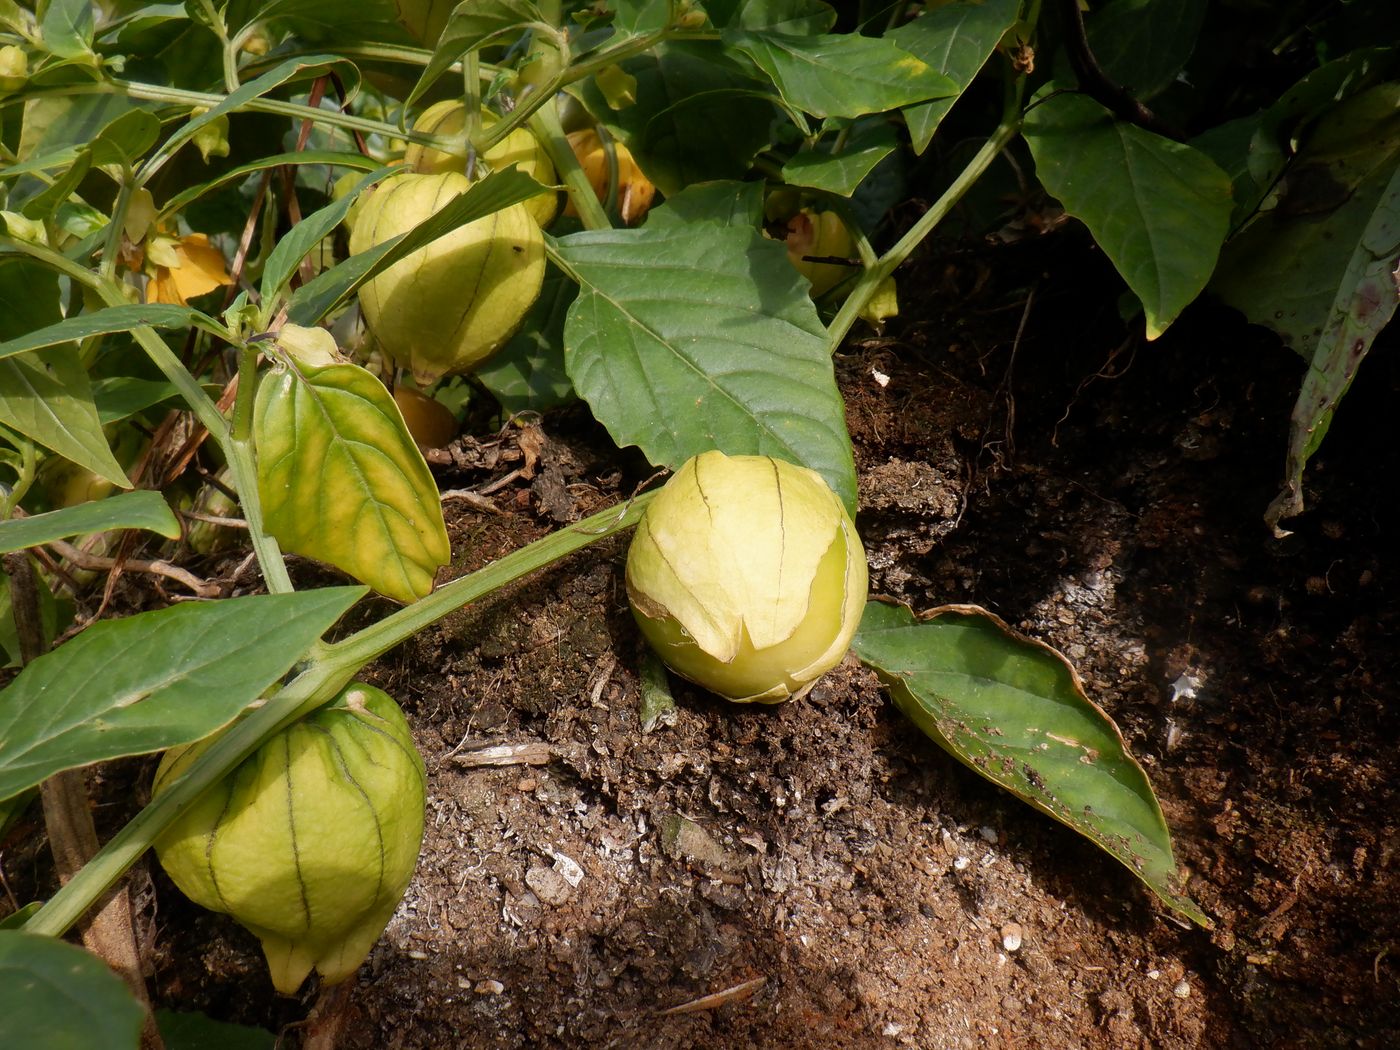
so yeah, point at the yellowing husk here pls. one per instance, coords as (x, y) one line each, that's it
(634, 190)
(449, 306)
(520, 147)
(819, 235)
(311, 842)
(747, 577)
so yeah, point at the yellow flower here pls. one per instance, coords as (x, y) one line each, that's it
(185, 267)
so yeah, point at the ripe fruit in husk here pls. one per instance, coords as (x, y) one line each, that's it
(449, 306)
(430, 423)
(634, 190)
(746, 576)
(311, 842)
(521, 148)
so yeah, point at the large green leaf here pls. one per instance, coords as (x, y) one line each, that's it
(956, 39)
(120, 397)
(1013, 711)
(841, 75)
(319, 296)
(690, 338)
(126, 510)
(102, 322)
(341, 480)
(57, 127)
(699, 115)
(57, 996)
(725, 201)
(1143, 44)
(1158, 209)
(45, 395)
(1318, 267)
(154, 680)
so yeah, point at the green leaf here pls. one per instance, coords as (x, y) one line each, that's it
(127, 510)
(102, 322)
(724, 201)
(44, 203)
(796, 17)
(154, 680)
(841, 76)
(341, 480)
(699, 115)
(306, 235)
(67, 27)
(690, 338)
(528, 373)
(17, 919)
(472, 23)
(1013, 710)
(121, 397)
(191, 1031)
(45, 395)
(1318, 267)
(292, 69)
(842, 172)
(57, 128)
(1143, 44)
(335, 158)
(57, 996)
(640, 16)
(956, 39)
(1158, 209)
(319, 296)
(126, 139)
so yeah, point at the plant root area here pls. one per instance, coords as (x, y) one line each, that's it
(817, 873)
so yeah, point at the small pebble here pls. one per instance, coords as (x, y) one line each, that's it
(489, 987)
(961, 863)
(527, 784)
(989, 835)
(1182, 990)
(1011, 936)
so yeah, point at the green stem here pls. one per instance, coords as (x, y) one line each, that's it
(545, 124)
(205, 100)
(217, 24)
(372, 642)
(870, 280)
(471, 100)
(112, 246)
(329, 669)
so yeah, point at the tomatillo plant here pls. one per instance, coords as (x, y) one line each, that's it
(747, 577)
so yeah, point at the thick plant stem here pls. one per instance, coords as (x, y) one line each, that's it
(328, 669)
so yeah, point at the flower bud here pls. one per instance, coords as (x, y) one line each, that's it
(747, 577)
(311, 842)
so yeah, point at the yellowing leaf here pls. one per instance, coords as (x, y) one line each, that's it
(342, 481)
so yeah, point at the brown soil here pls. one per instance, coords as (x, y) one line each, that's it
(824, 870)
